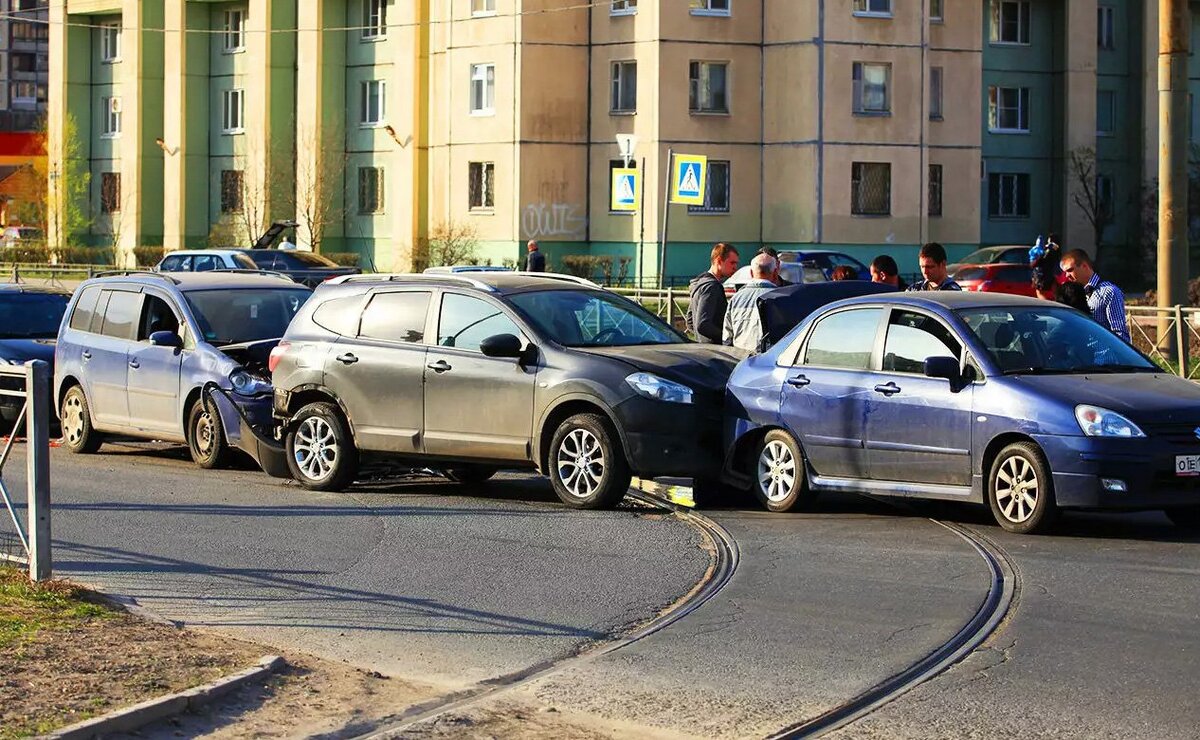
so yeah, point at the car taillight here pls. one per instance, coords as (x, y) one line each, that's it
(277, 355)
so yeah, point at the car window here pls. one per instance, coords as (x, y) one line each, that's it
(465, 322)
(845, 259)
(396, 317)
(592, 318)
(31, 315)
(157, 315)
(121, 314)
(339, 315)
(820, 260)
(1051, 339)
(263, 260)
(237, 315)
(844, 339)
(912, 338)
(81, 317)
(1015, 274)
(1015, 257)
(206, 262)
(175, 263)
(304, 260)
(244, 262)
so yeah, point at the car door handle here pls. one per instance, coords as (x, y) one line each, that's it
(440, 366)
(347, 359)
(87, 355)
(890, 389)
(134, 364)
(799, 381)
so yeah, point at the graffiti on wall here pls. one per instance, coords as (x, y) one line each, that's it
(554, 221)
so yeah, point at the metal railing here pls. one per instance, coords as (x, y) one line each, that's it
(668, 304)
(1170, 336)
(34, 534)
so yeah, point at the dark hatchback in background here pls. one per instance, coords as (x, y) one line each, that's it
(29, 321)
(1023, 405)
(305, 268)
(496, 370)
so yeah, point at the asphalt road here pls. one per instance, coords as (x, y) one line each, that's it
(449, 587)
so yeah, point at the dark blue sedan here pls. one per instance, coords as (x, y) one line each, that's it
(1023, 405)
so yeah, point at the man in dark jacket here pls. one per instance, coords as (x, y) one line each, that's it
(536, 261)
(706, 314)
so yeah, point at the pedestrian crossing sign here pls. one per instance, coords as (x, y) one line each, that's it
(626, 189)
(687, 179)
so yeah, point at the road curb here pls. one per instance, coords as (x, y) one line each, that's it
(139, 715)
(671, 489)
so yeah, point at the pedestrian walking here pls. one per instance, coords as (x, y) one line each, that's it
(885, 270)
(535, 261)
(933, 268)
(706, 312)
(1104, 299)
(743, 325)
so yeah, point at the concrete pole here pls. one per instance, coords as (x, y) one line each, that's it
(1174, 40)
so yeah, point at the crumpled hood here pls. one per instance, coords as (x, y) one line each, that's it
(21, 351)
(252, 356)
(698, 366)
(1146, 398)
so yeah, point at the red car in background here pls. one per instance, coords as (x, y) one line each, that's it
(995, 278)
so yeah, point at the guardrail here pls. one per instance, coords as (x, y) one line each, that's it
(35, 418)
(668, 303)
(1169, 335)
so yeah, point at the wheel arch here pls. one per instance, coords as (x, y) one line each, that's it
(68, 382)
(313, 393)
(998, 443)
(563, 410)
(742, 451)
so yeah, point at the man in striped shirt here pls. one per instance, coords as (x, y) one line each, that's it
(1105, 300)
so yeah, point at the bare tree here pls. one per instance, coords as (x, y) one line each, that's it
(449, 243)
(318, 199)
(264, 190)
(1097, 206)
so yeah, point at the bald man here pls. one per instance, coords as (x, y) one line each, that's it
(743, 327)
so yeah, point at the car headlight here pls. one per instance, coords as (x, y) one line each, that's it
(1100, 422)
(659, 389)
(245, 384)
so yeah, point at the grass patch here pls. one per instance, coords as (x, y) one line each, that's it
(27, 608)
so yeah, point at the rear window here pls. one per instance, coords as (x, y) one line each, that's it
(31, 315)
(339, 315)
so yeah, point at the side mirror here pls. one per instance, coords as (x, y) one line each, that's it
(502, 345)
(166, 339)
(942, 367)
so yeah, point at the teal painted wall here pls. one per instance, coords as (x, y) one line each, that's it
(151, 77)
(367, 59)
(1119, 155)
(104, 152)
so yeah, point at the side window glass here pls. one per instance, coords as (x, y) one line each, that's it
(156, 316)
(81, 317)
(121, 314)
(244, 262)
(204, 263)
(396, 317)
(465, 322)
(339, 315)
(914, 337)
(171, 264)
(844, 340)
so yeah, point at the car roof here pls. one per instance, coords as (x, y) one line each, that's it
(189, 252)
(953, 300)
(189, 281)
(502, 283)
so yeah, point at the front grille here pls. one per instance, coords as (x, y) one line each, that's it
(1179, 434)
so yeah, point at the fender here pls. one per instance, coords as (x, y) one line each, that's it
(307, 387)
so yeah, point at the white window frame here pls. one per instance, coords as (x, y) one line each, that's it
(375, 176)
(365, 90)
(233, 111)
(483, 89)
(110, 121)
(623, 7)
(1106, 27)
(708, 209)
(711, 8)
(1112, 112)
(374, 20)
(858, 80)
(937, 11)
(483, 8)
(937, 93)
(697, 106)
(487, 174)
(1024, 29)
(110, 42)
(1013, 211)
(234, 38)
(873, 8)
(619, 77)
(995, 110)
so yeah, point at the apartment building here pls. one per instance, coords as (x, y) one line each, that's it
(861, 125)
(24, 63)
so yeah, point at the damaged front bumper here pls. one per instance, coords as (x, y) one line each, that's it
(250, 427)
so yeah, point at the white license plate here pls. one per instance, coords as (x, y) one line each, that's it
(1187, 465)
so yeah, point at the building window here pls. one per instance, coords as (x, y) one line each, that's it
(873, 7)
(110, 43)
(1105, 196)
(935, 93)
(110, 192)
(482, 185)
(1106, 37)
(1106, 112)
(935, 190)
(483, 7)
(24, 93)
(871, 188)
(871, 83)
(235, 36)
(370, 190)
(711, 7)
(707, 84)
(483, 89)
(623, 7)
(110, 117)
(233, 111)
(1008, 195)
(936, 11)
(231, 191)
(374, 19)
(624, 87)
(1008, 109)
(373, 107)
(1010, 22)
(716, 189)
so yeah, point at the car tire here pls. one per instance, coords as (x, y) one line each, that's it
(206, 436)
(1020, 490)
(320, 449)
(470, 475)
(79, 436)
(780, 479)
(587, 466)
(1185, 517)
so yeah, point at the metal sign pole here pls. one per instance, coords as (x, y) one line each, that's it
(37, 467)
(641, 248)
(662, 247)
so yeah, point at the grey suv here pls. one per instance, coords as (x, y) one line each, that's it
(472, 374)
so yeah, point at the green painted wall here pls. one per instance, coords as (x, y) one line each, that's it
(1118, 70)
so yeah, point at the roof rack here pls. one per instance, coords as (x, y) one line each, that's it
(557, 276)
(132, 273)
(414, 277)
(248, 271)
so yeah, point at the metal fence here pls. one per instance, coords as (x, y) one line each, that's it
(1170, 336)
(669, 304)
(31, 385)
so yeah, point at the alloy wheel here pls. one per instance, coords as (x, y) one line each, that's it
(776, 471)
(316, 448)
(580, 463)
(1016, 489)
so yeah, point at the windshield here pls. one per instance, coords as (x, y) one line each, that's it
(1051, 340)
(31, 315)
(245, 314)
(593, 318)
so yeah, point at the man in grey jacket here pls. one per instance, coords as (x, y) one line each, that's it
(706, 312)
(743, 327)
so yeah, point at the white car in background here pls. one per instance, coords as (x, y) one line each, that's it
(204, 260)
(793, 272)
(16, 235)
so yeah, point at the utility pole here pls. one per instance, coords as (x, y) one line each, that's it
(1174, 40)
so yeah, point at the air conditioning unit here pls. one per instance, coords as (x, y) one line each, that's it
(114, 105)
